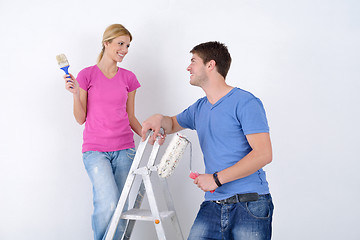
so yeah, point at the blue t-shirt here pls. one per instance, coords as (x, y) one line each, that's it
(221, 129)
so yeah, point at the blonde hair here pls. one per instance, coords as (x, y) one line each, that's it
(111, 32)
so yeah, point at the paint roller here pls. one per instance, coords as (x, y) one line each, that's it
(173, 154)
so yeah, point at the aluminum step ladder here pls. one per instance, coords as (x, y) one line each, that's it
(137, 214)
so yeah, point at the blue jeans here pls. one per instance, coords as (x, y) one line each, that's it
(238, 221)
(108, 172)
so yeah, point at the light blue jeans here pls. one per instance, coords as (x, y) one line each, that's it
(237, 221)
(108, 172)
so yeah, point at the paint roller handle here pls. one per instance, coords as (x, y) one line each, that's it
(194, 175)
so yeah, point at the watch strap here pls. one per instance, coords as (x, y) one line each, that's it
(216, 179)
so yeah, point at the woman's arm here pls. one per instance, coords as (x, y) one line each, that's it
(130, 109)
(80, 98)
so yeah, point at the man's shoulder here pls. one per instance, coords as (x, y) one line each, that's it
(243, 93)
(200, 102)
(242, 96)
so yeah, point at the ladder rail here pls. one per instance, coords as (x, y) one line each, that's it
(140, 196)
(137, 204)
(126, 190)
(170, 205)
(154, 208)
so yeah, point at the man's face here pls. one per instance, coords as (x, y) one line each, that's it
(197, 69)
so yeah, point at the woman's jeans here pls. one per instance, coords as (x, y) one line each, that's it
(108, 172)
(237, 221)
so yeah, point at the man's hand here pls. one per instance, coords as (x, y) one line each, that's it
(205, 182)
(153, 123)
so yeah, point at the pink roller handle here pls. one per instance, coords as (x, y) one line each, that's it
(194, 175)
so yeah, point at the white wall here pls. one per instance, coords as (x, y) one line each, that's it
(300, 57)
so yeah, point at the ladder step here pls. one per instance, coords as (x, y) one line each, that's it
(144, 214)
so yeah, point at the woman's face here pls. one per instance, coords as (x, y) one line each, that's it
(117, 48)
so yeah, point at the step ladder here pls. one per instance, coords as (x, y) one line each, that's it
(137, 214)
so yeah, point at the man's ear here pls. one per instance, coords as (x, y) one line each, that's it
(211, 64)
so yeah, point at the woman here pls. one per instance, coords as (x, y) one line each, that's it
(104, 97)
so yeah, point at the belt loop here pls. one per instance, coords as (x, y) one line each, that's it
(237, 198)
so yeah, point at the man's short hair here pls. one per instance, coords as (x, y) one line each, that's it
(214, 51)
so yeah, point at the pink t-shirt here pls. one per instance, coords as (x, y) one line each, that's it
(107, 126)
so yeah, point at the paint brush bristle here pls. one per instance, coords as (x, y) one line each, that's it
(62, 60)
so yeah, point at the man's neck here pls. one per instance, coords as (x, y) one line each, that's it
(216, 89)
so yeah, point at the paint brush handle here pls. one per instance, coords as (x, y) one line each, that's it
(66, 70)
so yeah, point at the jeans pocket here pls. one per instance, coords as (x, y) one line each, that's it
(87, 154)
(130, 152)
(259, 209)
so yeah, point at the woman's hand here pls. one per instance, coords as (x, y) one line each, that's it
(71, 84)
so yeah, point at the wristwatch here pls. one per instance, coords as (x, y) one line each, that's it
(215, 176)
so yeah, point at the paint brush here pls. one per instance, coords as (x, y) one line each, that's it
(63, 63)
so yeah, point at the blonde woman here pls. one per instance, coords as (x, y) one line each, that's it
(104, 97)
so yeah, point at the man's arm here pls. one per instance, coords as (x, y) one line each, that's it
(157, 121)
(260, 156)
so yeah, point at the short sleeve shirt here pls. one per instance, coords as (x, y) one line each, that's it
(222, 130)
(107, 126)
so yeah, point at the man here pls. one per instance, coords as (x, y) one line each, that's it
(234, 136)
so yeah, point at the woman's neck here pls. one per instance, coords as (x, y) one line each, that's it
(107, 65)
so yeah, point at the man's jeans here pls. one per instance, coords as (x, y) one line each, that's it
(108, 172)
(238, 221)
